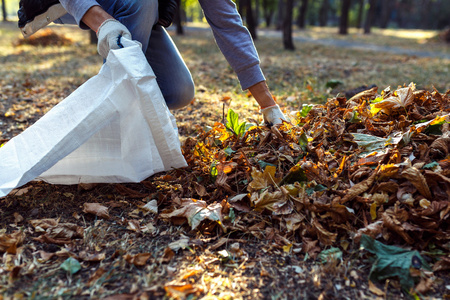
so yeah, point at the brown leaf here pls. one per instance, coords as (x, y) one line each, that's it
(43, 224)
(375, 290)
(197, 211)
(9, 242)
(168, 255)
(96, 209)
(442, 264)
(325, 237)
(359, 188)
(394, 225)
(127, 192)
(46, 255)
(267, 200)
(418, 180)
(402, 98)
(139, 260)
(261, 180)
(48, 240)
(372, 230)
(180, 291)
(65, 231)
(96, 276)
(367, 94)
(92, 257)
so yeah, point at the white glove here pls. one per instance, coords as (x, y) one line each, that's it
(273, 115)
(108, 36)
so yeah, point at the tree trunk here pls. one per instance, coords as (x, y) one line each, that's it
(360, 13)
(177, 20)
(302, 14)
(280, 18)
(323, 13)
(287, 25)
(386, 6)
(250, 19)
(5, 15)
(370, 16)
(239, 6)
(267, 12)
(343, 20)
(257, 3)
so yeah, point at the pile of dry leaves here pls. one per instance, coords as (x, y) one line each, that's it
(375, 164)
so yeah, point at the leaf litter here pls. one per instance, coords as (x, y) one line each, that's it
(371, 168)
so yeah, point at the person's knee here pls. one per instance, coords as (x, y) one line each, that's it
(140, 9)
(180, 95)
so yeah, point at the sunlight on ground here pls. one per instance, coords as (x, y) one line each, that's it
(407, 33)
(416, 34)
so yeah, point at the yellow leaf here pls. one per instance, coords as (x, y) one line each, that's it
(373, 210)
(287, 248)
(261, 180)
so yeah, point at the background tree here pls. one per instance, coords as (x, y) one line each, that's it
(343, 20)
(360, 15)
(281, 12)
(370, 16)
(5, 15)
(269, 7)
(323, 13)
(387, 6)
(287, 25)
(178, 20)
(249, 18)
(301, 21)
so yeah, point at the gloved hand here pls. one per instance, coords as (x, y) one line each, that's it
(108, 36)
(273, 115)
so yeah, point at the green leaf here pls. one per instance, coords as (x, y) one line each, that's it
(233, 123)
(303, 142)
(392, 261)
(232, 215)
(370, 142)
(434, 129)
(317, 188)
(330, 255)
(229, 151)
(355, 117)
(296, 174)
(264, 164)
(431, 165)
(71, 265)
(376, 100)
(213, 170)
(306, 108)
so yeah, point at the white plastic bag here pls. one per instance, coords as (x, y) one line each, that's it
(116, 127)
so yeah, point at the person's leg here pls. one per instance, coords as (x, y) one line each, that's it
(172, 74)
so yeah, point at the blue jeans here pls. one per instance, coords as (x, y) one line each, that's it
(172, 74)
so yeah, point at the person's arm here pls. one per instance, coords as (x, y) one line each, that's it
(78, 8)
(262, 95)
(237, 46)
(95, 16)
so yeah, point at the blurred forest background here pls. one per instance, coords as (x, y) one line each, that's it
(419, 14)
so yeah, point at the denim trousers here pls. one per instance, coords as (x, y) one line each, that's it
(172, 74)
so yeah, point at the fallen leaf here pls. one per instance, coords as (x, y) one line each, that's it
(96, 209)
(139, 260)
